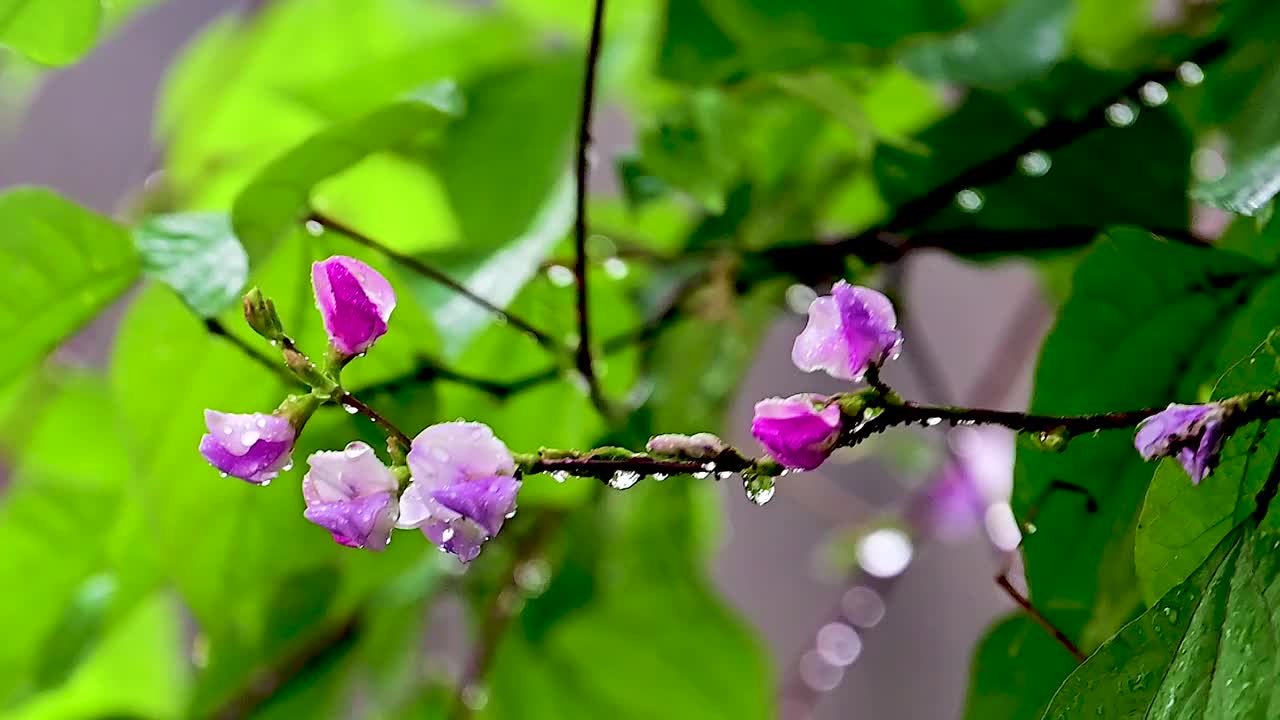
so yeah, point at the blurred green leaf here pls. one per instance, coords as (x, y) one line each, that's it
(708, 41)
(65, 264)
(1015, 671)
(687, 149)
(1252, 176)
(197, 255)
(1019, 43)
(51, 32)
(1207, 649)
(279, 198)
(1129, 336)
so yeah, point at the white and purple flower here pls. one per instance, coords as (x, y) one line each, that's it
(254, 447)
(464, 487)
(849, 331)
(352, 494)
(1191, 433)
(800, 431)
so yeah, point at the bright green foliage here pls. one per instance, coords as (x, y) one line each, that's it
(138, 583)
(64, 265)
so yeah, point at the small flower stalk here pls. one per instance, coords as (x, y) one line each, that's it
(355, 303)
(464, 487)
(800, 431)
(850, 331)
(353, 495)
(1191, 433)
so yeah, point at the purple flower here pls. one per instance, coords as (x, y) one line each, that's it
(463, 488)
(355, 302)
(352, 494)
(978, 473)
(1191, 433)
(799, 431)
(849, 331)
(253, 447)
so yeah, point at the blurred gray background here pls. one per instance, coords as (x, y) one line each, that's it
(88, 134)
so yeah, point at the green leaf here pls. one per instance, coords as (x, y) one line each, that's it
(65, 264)
(1139, 315)
(51, 32)
(707, 41)
(1207, 649)
(1015, 671)
(279, 198)
(1247, 187)
(687, 149)
(1019, 43)
(1181, 523)
(197, 255)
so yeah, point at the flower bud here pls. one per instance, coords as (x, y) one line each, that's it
(699, 446)
(463, 487)
(355, 303)
(799, 431)
(849, 331)
(352, 494)
(260, 313)
(1191, 433)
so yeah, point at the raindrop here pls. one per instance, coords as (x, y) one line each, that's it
(709, 467)
(1035, 163)
(314, 228)
(930, 422)
(261, 423)
(659, 476)
(1208, 164)
(287, 466)
(533, 577)
(724, 475)
(355, 450)
(800, 297)
(351, 410)
(839, 644)
(1121, 114)
(510, 515)
(222, 474)
(475, 697)
(1190, 74)
(616, 268)
(560, 476)
(265, 483)
(1153, 93)
(446, 535)
(819, 674)
(702, 475)
(250, 437)
(862, 606)
(1030, 528)
(439, 453)
(560, 276)
(885, 552)
(760, 495)
(970, 200)
(624, 479)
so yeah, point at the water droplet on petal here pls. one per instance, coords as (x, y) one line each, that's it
(222, 474)
(250, 437)
(355, 450)
(261, 423)
(446, 535)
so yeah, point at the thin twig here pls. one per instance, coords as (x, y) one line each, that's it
(1003, 581)
(585, 360)
(497, 613)
(436, 276)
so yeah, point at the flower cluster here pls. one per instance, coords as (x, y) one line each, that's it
(457, 484)
(1191, 433)
(851, 332)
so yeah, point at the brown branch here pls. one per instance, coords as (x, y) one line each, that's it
(438, 277)
(1003, 581)
(585, 360)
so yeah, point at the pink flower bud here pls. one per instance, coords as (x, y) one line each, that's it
(463, 488)
(352, 494)
(849, 331)
(355, 302)
(799, 431)
(253, 447)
